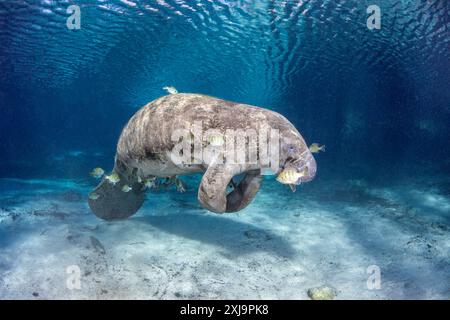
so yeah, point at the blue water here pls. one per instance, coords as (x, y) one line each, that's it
(378, 99)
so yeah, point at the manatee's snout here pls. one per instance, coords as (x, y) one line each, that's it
(309, 169)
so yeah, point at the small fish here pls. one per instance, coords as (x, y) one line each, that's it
(126, 188)
(94, 196)
(180, 185)
(170, 89)
(216, 140)
(113, 178)
(289, 176)
(315, 148)
(139, 179)
(97, 172)
(150, 183)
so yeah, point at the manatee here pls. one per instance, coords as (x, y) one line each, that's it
(166, 130)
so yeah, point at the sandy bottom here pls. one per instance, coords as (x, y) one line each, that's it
(333, 233)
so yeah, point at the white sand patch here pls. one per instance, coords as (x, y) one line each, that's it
(277, 248)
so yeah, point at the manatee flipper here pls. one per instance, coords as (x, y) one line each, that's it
(212, 192)
(213, 187)
(112, 203)
(244, 192)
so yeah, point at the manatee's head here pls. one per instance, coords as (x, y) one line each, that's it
(297, 164)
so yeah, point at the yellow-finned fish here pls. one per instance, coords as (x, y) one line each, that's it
(150, 183)
(289, 176)
(113, 178)
(97, 172)
(93, 196)
(315, 148)
(126, 188)
(170, 89)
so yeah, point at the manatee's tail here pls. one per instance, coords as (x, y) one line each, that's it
(110, 202)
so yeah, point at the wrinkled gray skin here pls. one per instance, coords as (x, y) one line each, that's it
(145, 146)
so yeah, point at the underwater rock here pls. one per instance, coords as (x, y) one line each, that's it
(98, 246)
(322, 293)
